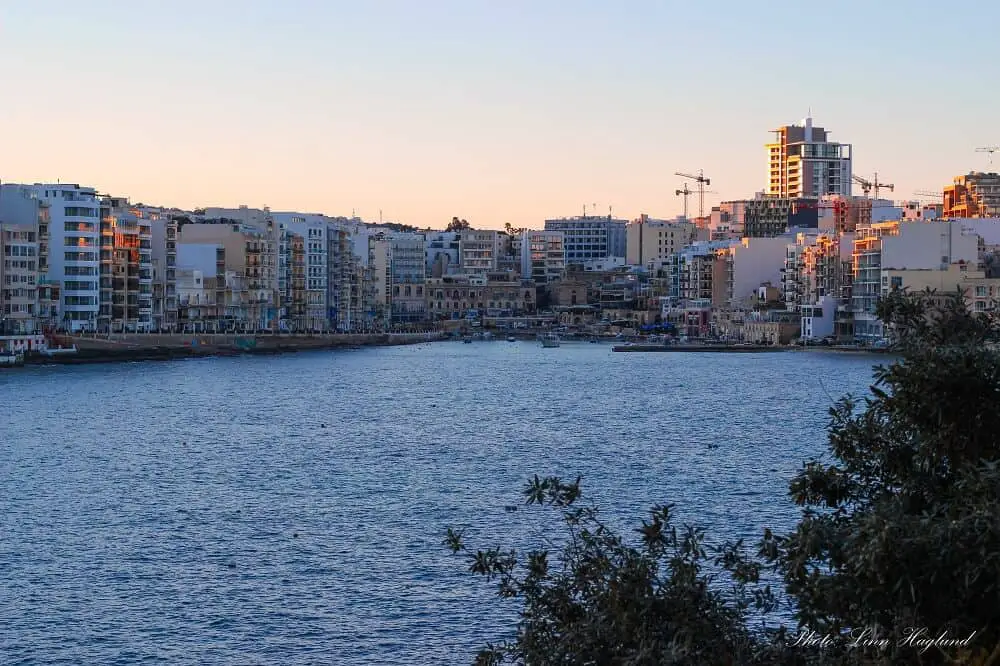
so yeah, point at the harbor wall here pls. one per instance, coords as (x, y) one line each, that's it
(143, 347)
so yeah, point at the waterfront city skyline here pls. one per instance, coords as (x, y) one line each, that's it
(495, 114)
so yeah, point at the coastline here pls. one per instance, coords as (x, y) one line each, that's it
(172, 347)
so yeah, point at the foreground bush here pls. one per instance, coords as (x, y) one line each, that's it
(898, 543)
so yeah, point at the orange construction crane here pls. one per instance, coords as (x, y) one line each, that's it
(702, 182)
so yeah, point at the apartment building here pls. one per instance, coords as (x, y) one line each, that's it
(816, 266)
(378, 299)
(768, 217)
(295, 293)
(478, 251)
(894, 246)
(974, 195)
(804, 163)
(590, 238)
(19, 301)
(126, 269)
(163, 225)
(68, 246)
(250, 254)
(458, 296)
(543, 255)
(408, 272)
(443, 252)
(651, 242)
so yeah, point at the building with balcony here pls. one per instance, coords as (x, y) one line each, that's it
(68, 219)
(126, 269)
(804, 164)
(893, 246)
(408, 272)
(19, 278)
(974, 195)
(543, 255)
(463, 296)
(478, 251)
(250, 253)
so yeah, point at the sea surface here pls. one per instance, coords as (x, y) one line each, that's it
(290, 509)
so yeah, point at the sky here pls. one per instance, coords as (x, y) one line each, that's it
(492, 111)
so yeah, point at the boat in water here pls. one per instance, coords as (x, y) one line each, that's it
(11, 360)
(511, 338)
(550, 340)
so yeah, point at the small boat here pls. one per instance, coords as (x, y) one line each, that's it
(11, 360)
(550, 340)
(467, 340)
(511, 338)
(58, 351)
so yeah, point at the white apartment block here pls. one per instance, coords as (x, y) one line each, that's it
(73, 249)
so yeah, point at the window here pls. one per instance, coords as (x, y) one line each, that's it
(897, 282)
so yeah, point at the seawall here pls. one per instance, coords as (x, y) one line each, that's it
(168, 347)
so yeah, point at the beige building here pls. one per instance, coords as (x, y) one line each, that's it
(982, 294)
(652, 242)
(19, 277)
(453, 297)
(250, 254)
(478, 251)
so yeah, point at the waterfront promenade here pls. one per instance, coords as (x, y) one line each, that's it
(151, 347)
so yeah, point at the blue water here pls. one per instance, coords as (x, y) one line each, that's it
(290, 510)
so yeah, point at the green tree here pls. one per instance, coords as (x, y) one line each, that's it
(899, 533)
(602, 600)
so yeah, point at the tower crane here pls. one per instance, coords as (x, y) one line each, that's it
(702, 182)
(989, 150)
(688, 192)
(868, 185)
(927, 194)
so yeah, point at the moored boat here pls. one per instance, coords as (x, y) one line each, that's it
(550, 340)
(11, 360)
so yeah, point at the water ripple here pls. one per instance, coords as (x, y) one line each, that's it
(289, 510)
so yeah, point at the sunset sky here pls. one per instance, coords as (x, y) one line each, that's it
(494, 111)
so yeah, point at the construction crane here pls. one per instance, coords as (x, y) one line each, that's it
(868, 185)
(927, 194)
(688, 192)
(702, 182)
(989, 150)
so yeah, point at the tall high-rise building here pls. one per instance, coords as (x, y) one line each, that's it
(804, 163)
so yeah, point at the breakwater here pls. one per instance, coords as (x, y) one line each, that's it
(699, 348)
(168, 347)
